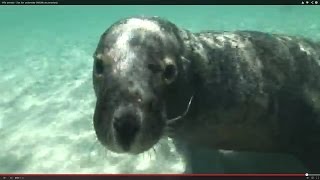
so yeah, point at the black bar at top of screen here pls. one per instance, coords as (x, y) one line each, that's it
(156, 2)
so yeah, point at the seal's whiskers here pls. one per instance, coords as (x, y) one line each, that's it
(154, 150)
(150, 155)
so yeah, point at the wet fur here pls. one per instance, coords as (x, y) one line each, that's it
(253, 91)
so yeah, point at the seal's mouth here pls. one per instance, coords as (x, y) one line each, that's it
(132, 131)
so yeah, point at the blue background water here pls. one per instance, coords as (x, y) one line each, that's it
(46, 96)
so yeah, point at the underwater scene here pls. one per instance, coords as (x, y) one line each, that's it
(47, 99)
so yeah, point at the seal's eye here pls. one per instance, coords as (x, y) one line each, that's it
(154, 68)
(98, 66)
(169, 73)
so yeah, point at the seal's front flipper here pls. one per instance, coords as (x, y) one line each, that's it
(200, 160)
(309, 138)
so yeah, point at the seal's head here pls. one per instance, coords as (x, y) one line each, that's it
(135, 62)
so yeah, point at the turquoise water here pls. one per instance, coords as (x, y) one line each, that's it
(46, 96)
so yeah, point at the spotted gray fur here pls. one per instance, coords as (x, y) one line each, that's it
(252, 91)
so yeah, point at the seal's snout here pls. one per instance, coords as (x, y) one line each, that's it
(126, 125)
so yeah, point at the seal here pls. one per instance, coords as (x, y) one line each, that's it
(241, 90)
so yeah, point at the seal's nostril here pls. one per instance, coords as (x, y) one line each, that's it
(126, 128)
